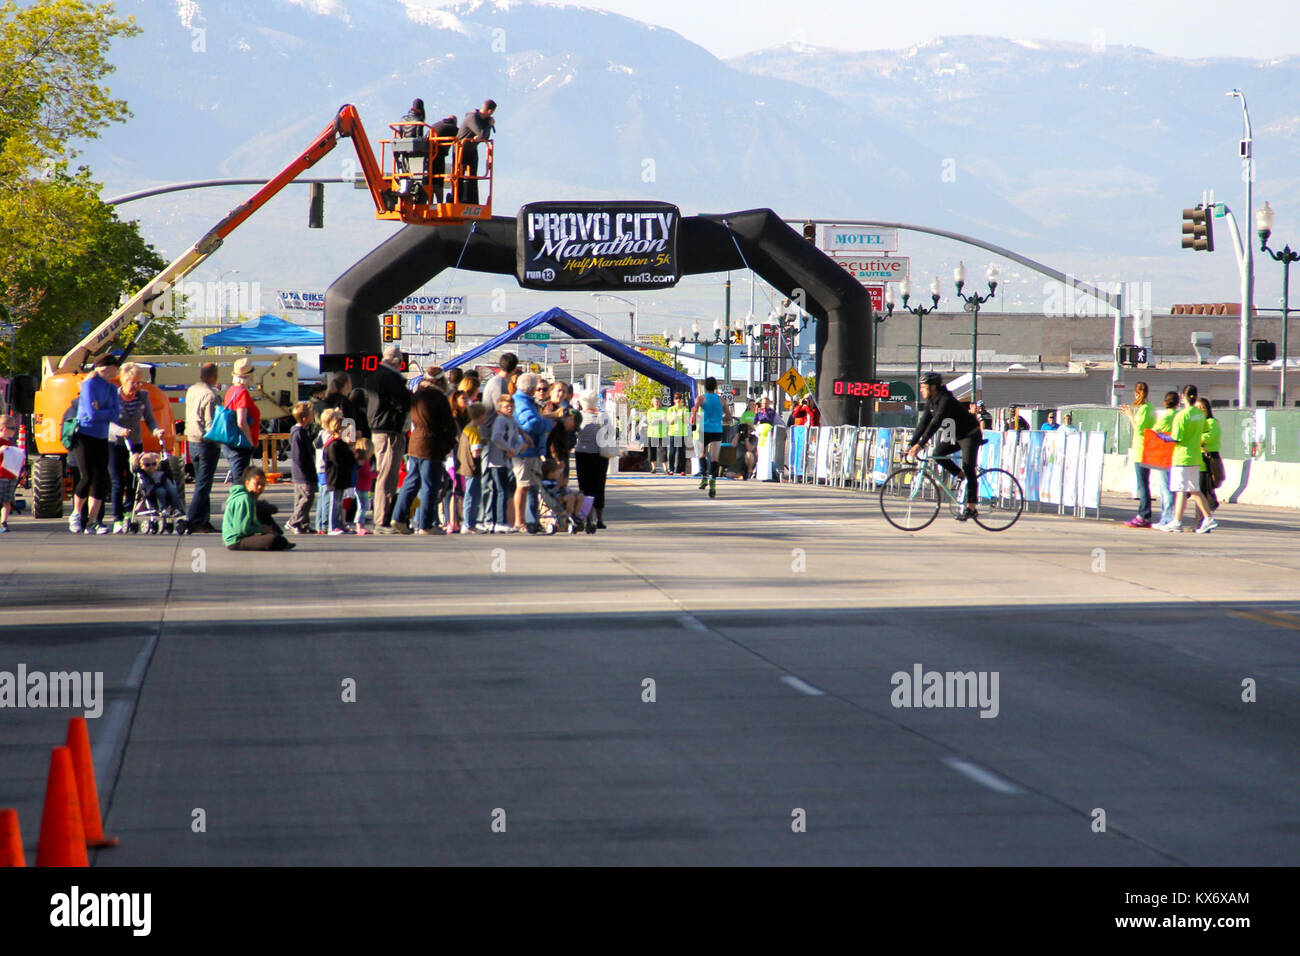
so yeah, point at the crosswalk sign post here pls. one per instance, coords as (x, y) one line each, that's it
(792, 382)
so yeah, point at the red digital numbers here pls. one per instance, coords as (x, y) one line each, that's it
(369, 363)
(861, 389)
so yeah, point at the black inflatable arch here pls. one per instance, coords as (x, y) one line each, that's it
(402, 264)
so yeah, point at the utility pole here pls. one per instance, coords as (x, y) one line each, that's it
(727, 339)
(1248, 259)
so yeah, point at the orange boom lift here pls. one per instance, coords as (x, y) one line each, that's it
(400, 184)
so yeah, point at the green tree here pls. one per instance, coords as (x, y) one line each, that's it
(640, 390)
(62, 297)
(65, 257)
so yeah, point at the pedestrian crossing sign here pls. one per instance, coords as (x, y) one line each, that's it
(792, 381)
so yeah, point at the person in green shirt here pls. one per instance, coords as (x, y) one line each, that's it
(240, 528)
(678, 424)
(1211, 463)
(1185, 470)
(656, 432)
(1141, 416)
(1164, 421)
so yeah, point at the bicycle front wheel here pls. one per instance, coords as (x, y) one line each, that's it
(1001, 500)
(909, 498)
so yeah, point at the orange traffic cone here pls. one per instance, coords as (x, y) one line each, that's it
(11, 840)
(87, 792)
(63, 841)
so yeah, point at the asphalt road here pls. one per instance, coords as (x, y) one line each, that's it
(502, 680)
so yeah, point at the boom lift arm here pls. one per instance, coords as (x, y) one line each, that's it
(346, 123)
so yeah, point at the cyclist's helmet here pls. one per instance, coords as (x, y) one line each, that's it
(933, 379)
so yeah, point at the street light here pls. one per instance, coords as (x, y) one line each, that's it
(1247, 150)
(754, 334)
(920, 312)
(1264, 222)
(695, 337)
(973, 303)
(636, 313)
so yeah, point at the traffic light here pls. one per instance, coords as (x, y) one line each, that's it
(810, 231)
(511, 324)
(738, 336)
(1265, 351)
(449, 331)
(392, 327)
(1198, 229)
(316, 206)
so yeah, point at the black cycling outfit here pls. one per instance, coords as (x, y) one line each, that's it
(942, 408)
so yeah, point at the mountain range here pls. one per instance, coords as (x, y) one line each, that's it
(1079, 155)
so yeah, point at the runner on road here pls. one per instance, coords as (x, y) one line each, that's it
(712, 412)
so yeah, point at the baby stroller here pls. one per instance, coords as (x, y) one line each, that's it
(552, 515)
(155, 505)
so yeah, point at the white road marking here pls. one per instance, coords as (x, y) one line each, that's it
(981, 776)
(802, 686)
(119, 711)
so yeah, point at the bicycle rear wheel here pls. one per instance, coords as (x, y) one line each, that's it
(1001, 500)
(909, 498)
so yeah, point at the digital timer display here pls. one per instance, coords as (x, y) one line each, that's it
(860, 389)
(359, 362)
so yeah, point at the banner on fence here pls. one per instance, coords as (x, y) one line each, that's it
(1053, 468)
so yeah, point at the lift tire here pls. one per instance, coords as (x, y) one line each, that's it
(47, 486)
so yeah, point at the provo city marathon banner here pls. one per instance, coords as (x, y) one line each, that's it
(411, 305)
(597, 245)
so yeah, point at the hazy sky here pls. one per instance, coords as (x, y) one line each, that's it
(1186, 28)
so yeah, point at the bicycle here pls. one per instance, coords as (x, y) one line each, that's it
(911, 496)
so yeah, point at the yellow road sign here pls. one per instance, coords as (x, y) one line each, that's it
(792, 381)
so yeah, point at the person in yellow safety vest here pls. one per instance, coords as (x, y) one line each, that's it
(656, 432)
(1185, 471)
(678, 422)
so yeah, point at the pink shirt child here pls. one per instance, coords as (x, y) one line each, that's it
(365, 476)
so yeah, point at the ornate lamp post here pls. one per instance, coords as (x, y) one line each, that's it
(973, 303)
(695, 337)
(920, 312)
(1264, 223)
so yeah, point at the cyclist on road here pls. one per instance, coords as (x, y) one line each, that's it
(957, 429)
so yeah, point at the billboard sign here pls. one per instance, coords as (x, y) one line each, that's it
(597, 246)
(882, 269)
(858, 240)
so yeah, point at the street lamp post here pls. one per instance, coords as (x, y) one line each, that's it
(920, 312)
(1247, 259)
(727, 333)
(973, 303)
(707, 343)
(1264, 221)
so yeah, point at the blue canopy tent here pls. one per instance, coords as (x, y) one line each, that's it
(266, 331)
(602, 343)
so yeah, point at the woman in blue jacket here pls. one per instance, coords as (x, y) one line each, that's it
(98, 406)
